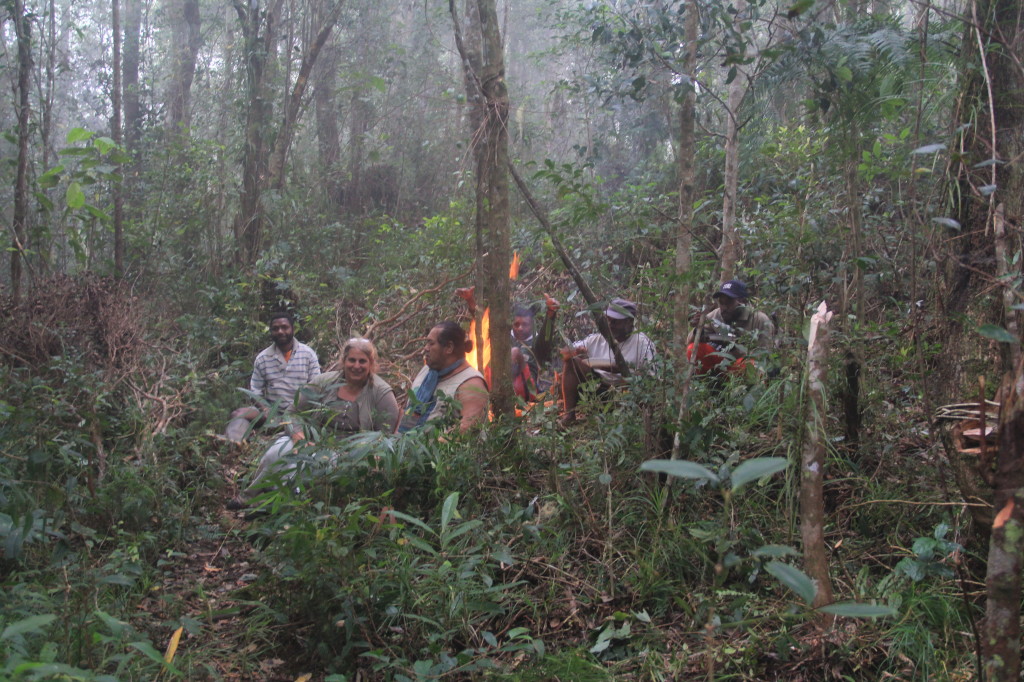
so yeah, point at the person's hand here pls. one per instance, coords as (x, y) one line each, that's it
(570, 352)
(552, 305)
(468, 294)
(298, 437)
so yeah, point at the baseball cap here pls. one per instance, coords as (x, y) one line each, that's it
(621, 309)
(734, 288)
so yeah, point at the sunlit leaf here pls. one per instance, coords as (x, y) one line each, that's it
(680, 468)
(987, 162)
(794, 579)
(986, 190)
(172, 646)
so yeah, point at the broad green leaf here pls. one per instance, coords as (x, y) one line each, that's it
(794, 579)
(449, 510)
(413, 520)
(929, 149)
(78, 135)
(97, 213)
(27, 625)
(104, 144)
(996, 333)
(774, 551)
(851, 609)
(680, 468)
(754, 469)
(75, 197)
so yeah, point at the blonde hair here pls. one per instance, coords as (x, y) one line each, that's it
(360, 344)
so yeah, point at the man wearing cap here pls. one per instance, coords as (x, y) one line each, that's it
(592, 359)
(733, 330)
(278, 372)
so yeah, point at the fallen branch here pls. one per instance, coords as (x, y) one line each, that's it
(372, 329)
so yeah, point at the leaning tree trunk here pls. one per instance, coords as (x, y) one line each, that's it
(812, 474)
(1001, 639)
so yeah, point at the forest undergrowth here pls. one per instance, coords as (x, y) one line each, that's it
(532, 553)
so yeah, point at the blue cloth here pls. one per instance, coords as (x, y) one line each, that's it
(425, 396)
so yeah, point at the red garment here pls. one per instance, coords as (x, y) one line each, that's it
(709, 359)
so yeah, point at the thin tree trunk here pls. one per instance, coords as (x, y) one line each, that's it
(812, 508)
(1001, 638)
(132, 128)
(326, 112)
(22, 28)
(486, 83)
(856, 236)
(729, 252)
(687, 183)
(115, 126)
(186, 39)
(1006, 248)
(260, 34)
(275, 174)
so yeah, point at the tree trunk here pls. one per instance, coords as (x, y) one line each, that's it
(327, 134)
(115, 133)
(130, 80)
(22, 28)
(293, 107)
(1001, 639)
(812, 474)
(687, 182)
(729, 252)
(260, 35)
(186, 40)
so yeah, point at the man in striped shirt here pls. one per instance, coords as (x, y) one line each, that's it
(279, 371)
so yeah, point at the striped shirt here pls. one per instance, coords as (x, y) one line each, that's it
(277, 379)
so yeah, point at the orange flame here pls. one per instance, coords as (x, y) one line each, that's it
(513, 270)
(482, 355)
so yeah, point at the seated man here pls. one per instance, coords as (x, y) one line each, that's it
(531, 352)
(278, 372)
(731, 332)
(592, 359)
(447, 377)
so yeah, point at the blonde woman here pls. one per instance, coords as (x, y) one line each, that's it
(340, 403)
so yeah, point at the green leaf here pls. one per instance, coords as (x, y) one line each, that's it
(794, 579)
(75, 197)
(754, 469)
(78, 135)
(413, 520)
(27, 625)
(104, 144)
(680, 468)
(450, 509)
(774, 551)
(947, 222)
(929, 149)
(996, 333)
(851, 609)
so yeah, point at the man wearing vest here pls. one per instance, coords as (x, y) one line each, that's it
(732, 332)
(278, 372)
(447, 385)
